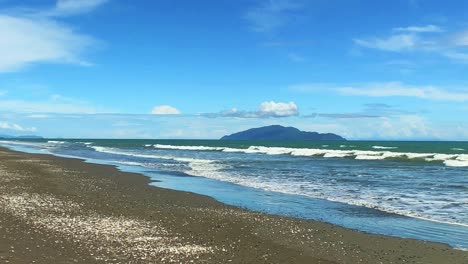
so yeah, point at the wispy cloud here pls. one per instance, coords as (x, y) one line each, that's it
(38, 116)
(398, 89)
(460, 39)
(271, 15)
(269, 109)
(53, 104)
(459, 56)
(397, 42)
(347, 115)
(420, 29)
(36, 36)
(16, 127)
(165, 110)
(374, 110)
(387, 89)
(404, 126)
(429, 39)
(73, 7)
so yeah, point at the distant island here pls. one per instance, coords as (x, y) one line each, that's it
(20, 137)
(277, 132)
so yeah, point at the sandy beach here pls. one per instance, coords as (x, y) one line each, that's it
(61, 210)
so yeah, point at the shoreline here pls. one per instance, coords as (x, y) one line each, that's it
(96, 213)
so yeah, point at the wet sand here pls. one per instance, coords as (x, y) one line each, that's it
(60, 210)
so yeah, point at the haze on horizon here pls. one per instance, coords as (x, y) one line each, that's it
(392, 70)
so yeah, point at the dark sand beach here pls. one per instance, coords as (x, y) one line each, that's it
(60, 210)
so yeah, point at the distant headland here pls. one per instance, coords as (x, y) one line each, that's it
(20, 137)
(277, 132)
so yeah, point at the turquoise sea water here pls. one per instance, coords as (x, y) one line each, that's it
(406, 189)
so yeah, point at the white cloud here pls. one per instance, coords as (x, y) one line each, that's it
(401, 127)
(398, 127)
(25, 41)
(37, 37)
(460, 39)
(266, 110)
(278, 109)
(16, 127)
(415, 39)
(460, 56)
(38, 116)
(271, 14)
(420, 29)
(165, 110)
(54, 104)
(408, 127)
(399, 89)
(72, 7)
(398, 42)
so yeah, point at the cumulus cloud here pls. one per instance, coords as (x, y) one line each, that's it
(406, 126)
(165, 110)
(278, 109)
(269, 109)
(37, 36)
(16, 127)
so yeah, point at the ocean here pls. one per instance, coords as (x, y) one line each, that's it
(406, 189)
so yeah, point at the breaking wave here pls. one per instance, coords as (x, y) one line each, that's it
(452, 160)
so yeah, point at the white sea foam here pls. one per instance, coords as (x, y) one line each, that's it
(370, 157)
(384, 200)
(389, 154)
(338, 154)
(85, 143)
(125, 153)
(382, 147)
(382, 153)
(160, 146)
(456, 163)
(418, 155)
(56, 142)
(458, 149)
(377, 198)
(415, 204)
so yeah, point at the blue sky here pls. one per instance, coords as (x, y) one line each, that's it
(201, 69)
